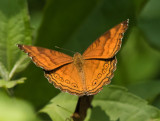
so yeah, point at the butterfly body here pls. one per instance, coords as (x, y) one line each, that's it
(84, 74)
(79, 64)
(78, 61)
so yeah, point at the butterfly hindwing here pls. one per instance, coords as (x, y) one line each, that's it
(46, 58)
(67, 79)
(98, 73)
(107, 45)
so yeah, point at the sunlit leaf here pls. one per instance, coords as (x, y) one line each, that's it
(61, 107)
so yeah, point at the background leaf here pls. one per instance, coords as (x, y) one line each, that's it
(117, 103)
(61, 107)
(14, 28)
(149, 22)
(15, 110)
(137, 61)
(96, 112)
(3, 72)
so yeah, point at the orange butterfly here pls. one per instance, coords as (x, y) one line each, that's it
(81, 74)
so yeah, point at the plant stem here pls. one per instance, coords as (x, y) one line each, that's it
(83, 104)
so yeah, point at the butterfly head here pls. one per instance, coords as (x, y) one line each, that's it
(77, 57)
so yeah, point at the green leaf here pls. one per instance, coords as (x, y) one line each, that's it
(19, 65)
(141, 89)
(37, 85)
(15, 110)
(3, 72)
(12, 83)
(113, 103)
(149, 22)
(61, 107)
(156, 102)
(139, 5)
(96, 114)
(14, 29)
(117, 103)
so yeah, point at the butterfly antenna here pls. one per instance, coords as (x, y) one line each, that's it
(65, 49)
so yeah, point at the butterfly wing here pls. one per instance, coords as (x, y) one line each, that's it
(98, 67)
(98, 73)
(67, 79)
(107, 45)
(100, 60)
(46, 58)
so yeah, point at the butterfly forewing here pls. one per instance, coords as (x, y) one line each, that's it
(46, 58)
(107, 45)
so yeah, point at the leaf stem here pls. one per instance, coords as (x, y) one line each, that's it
(17, 64)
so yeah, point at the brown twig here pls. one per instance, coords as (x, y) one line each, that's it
(83, 104)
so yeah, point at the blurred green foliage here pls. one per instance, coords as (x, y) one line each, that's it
(74, 25)
(13, 109)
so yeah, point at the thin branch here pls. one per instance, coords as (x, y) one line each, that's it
(83, 104)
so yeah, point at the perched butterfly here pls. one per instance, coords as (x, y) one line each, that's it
(81, 74)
